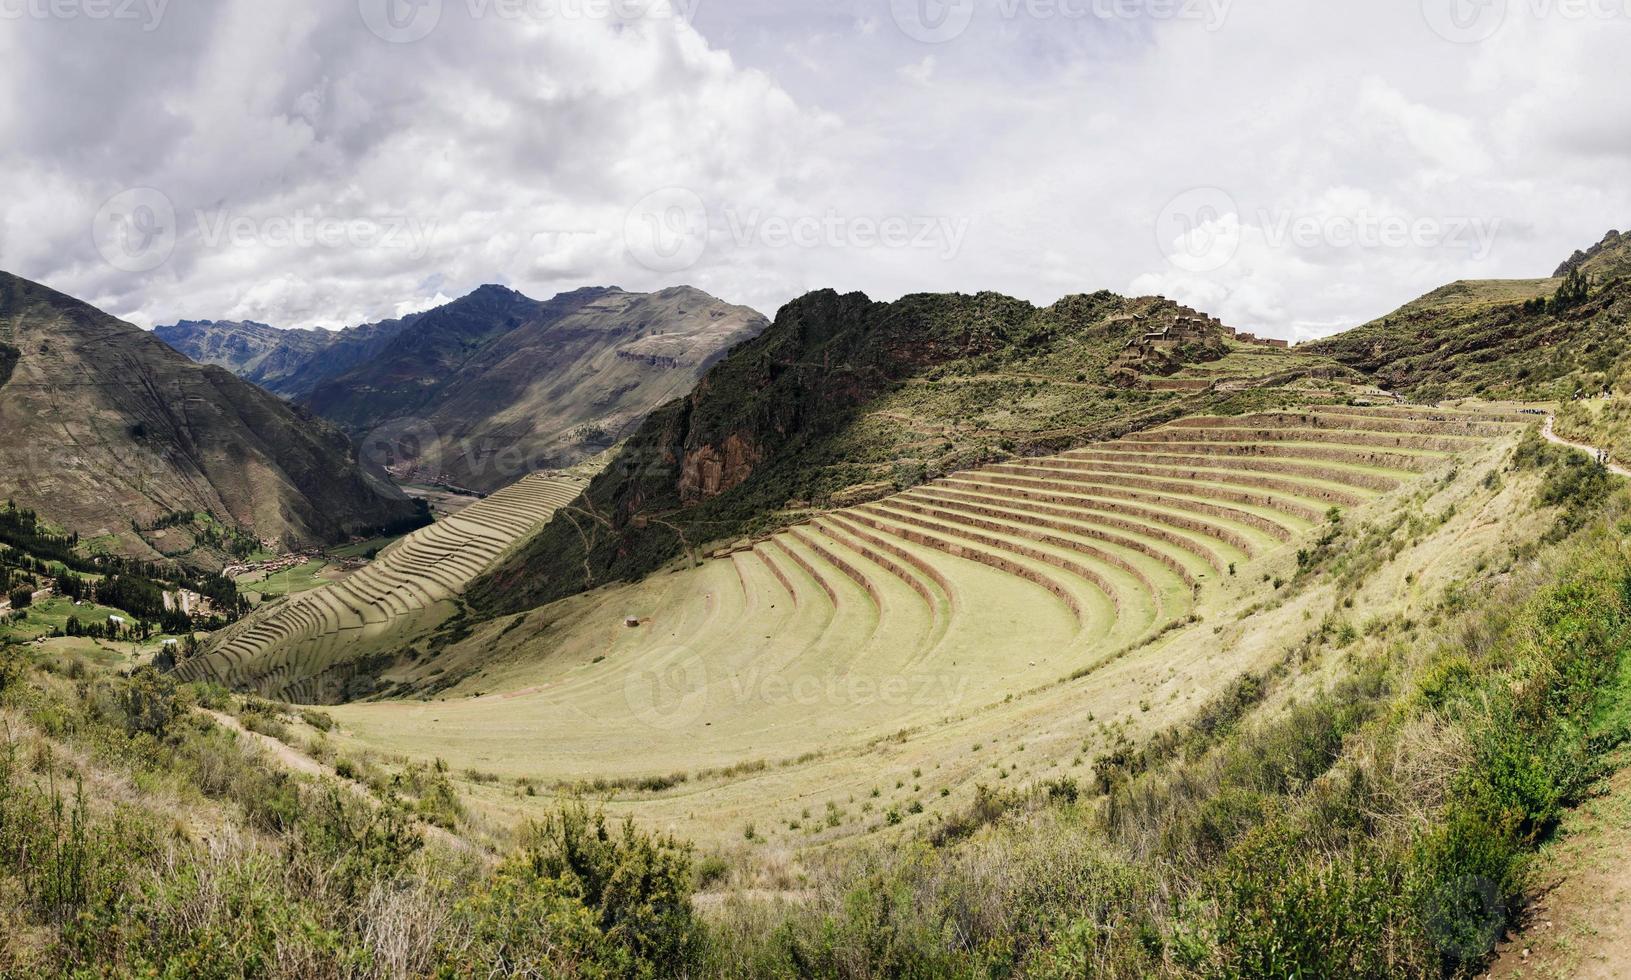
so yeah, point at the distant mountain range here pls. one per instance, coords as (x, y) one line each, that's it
(107, 430)
(480, 391)
(286, 362)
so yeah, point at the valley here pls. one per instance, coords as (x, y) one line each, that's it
(1026, 597)
(954, 580)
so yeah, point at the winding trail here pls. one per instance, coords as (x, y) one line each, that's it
(1593, 451)
(285, 755)
(297, 761)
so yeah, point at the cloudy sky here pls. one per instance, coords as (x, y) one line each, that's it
(1295, 167)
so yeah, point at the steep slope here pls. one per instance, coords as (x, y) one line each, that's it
(287, 362)
(253, 351)
(106, 428)
(496, 385)
(574, 381)
(1539, 338)
(328, 644)
(407, 371)
(844, 400)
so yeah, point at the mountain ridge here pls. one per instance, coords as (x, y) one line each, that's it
(488, 387)
(110, 430)
(1532, 338)
(844, 399)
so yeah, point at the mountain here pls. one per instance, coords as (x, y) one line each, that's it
(286, 362)
(419, 359)
(844, 399)
(107, 429)
(481, 391)
(1529, 338)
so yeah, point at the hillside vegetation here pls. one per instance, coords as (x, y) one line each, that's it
(949, 637)
(111, 434)
(1543, 339)
(844, 400)
(1355, 793)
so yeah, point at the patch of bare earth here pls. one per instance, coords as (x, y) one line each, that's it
(1580, 926)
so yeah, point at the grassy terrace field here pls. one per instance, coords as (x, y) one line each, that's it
(303, 647)
(1012, 619)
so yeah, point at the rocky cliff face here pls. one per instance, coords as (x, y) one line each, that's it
(102, 425)
(708, 471)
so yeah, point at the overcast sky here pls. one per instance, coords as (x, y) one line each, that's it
(1295, 167)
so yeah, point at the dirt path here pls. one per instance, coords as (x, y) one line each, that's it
(1580, 926)
(297, 761)
(1592, 451)
(286, 756)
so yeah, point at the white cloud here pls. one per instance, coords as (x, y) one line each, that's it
(1053, 135)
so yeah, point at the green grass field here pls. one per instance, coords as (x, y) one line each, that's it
(997, 624)
(302, 578)
(53, 614)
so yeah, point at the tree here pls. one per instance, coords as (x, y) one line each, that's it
(22, 598)
(1576, 289)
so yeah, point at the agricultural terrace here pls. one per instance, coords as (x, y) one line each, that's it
(285, 647)
(779, 668)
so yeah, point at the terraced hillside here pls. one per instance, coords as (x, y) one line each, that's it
(919, 608)
(307, 647)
